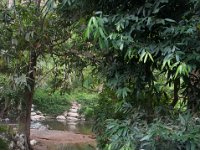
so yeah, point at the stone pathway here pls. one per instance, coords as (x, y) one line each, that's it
(73, 115)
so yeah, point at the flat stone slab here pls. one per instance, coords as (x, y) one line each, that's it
(61, 117)
(71, 114)
(37, 118)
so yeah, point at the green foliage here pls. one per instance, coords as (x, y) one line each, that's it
(143, 37)
(51, 103)
(124, 135)
(6, 133)
(88, 101)
(6, 129)
(3, 145)
(138, 50)
(55, 103)
(104, 110)
(10, 97)
(180, 132)
(3, 128)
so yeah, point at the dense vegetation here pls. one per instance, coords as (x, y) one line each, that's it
(53, 103)
(141, 57)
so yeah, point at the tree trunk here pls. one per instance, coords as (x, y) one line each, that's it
(193, 91)
(176, 89)
(25, 119)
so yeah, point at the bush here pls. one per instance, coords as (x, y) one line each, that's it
(10, 97)
(180, 133)
(6, 133)
(103, 111)
(51, 103)
(3, 145)
(88, 101)
(173, 132)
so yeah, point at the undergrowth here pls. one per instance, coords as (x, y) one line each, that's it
(53, 103)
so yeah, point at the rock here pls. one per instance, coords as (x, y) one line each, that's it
(75, 105)
(20, 146)
(65, 113)
(38, 112)
(37, 118)
(62, 121)
(33, 142)
(72, 118)
(39, 126)
(71, 114)
(82, 119)
(73, 110)
(6, 120)
(61, 117)
(32, 109)
(72, 123)
(18, 143)
(11, 145)
(33, 113)
(35, 125)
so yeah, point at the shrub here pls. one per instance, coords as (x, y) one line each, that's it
(173, 132)
(3, 144)
(51, 103)
(180, 133)
(88, 101)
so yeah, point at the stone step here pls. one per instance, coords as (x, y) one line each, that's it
(73, 110)
(71, 114)
(37, 118)
(75, 107)
(72, 118)
(61, 117)
(33, 113)
(65, 113)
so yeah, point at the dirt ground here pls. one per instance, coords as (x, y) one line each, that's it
(46, 139)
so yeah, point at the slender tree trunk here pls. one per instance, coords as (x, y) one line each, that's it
(25, 119)
(176, 90)
(6, 107)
